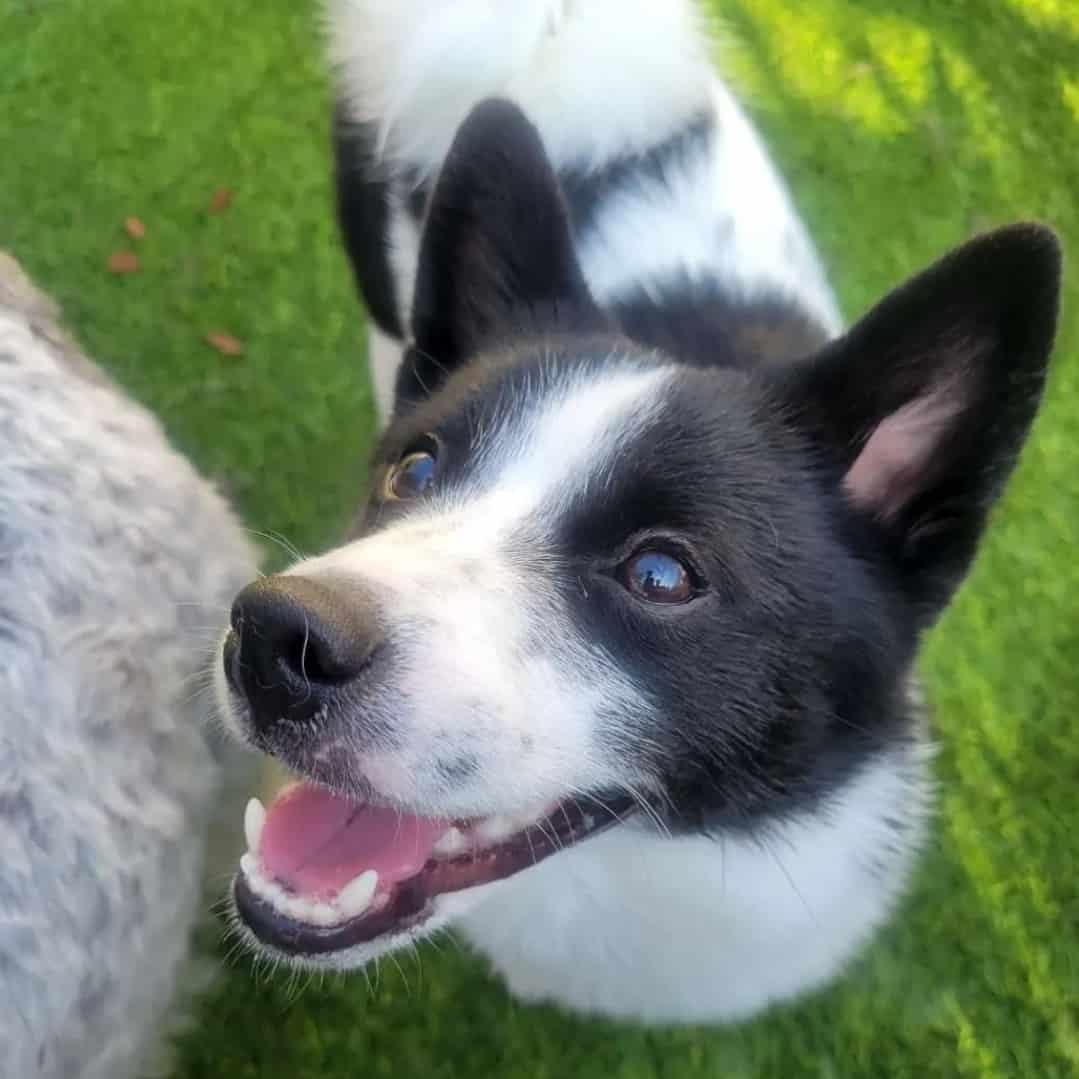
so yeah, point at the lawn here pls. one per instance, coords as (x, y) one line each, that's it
(903, 128)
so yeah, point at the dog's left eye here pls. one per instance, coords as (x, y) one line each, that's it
(412, 476)
(658, 577)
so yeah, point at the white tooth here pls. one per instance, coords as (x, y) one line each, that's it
(496, 827)
(249, 867)
(503, 825)
(323, 914)
(254, 819)
(356, 896)
(538, 812)
(268, 890)
(451, 842)
(261, 886)
(297, 907)
(277, 895)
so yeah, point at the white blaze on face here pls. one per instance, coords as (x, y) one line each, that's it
(487, 664)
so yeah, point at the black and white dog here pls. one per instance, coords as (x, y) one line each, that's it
(615, 673)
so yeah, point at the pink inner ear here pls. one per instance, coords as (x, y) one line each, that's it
(896, 460)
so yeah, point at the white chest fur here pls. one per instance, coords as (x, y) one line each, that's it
(637, 925)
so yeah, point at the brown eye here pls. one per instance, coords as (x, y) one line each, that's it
(658, 578)
(412, 476)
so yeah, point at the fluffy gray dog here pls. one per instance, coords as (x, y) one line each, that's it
(113, 554)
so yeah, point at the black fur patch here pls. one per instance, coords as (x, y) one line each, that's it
(497, 253)
(586, 189)
(363, 215)
(699, 323)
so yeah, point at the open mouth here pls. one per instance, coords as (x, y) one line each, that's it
(323, 873)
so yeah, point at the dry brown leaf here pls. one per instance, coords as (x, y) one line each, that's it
(220, 201)
(134, 228)
(123, 262)
(225, 343)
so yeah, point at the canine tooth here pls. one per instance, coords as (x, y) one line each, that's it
(356, 896)
(249, 867)
(254, 819)
(451, 842)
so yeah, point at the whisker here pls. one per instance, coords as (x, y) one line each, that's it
(762, 841)
(414, 951)
(201, 677)
(275, 537)
(401, 970)
(303, 656)
(419, 379)
(552, 835)
(199, 691)
(423, 354)
(648, 809)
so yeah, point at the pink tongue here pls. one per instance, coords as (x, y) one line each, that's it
(315, 842)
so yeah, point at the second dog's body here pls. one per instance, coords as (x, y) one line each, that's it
(114, 552)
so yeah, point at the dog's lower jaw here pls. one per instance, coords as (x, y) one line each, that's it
(446, 911)
(637, 926)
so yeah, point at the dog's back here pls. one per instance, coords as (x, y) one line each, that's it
(683, 227)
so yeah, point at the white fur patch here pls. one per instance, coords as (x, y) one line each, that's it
(403, 250)
(463, 611)
(637, 925)
(383, 360)
(723, 213)
(416, 67)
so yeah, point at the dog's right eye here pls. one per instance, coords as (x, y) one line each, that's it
(658, 577)
(412, 476)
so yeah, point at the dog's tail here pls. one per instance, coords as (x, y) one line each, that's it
(598, 77)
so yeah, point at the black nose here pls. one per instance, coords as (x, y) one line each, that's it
(294, 642)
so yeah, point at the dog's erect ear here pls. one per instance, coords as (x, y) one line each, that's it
(497, 248)
(927, 401)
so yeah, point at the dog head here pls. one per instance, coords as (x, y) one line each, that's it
(596, 586)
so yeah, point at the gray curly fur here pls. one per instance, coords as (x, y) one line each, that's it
(114, 556)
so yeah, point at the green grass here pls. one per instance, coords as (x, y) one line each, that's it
(903, 128)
